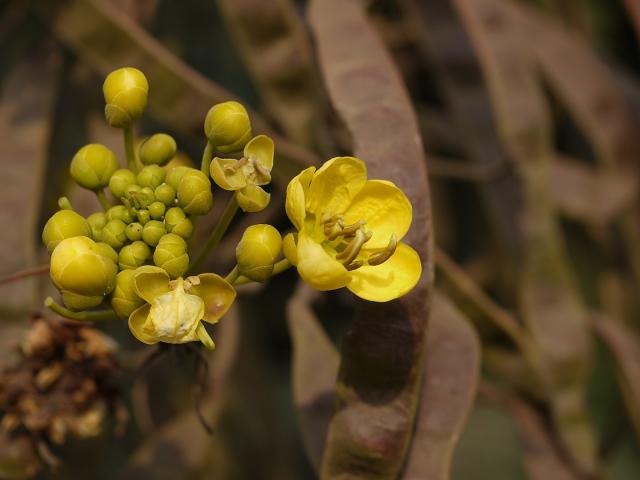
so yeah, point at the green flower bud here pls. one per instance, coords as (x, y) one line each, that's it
(228, 127)
(177, 222)
(124, 299)
(151, 176)
(125, 94)
(171, 255)
(82, 273)
(97, 221)
(165, 193)
(158, 149)
(143, 216)
(93, 166)
(194, 193)
(114, 233)
(146, 197)
(120, 181)
(134, 231)
(119, 212)
(152, 232)
(64, 224)
(134, 255)
(107, 251)
(175, 175)
(183, 228)
(258, 251)
(156, 210)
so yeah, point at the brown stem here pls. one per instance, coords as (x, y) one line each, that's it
(22, 274)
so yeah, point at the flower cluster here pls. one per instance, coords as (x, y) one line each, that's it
(136, 255)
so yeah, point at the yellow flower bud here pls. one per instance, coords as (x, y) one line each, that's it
(175, 175)
(171, 255)
(165, 193)
(82, 273)
(151, 176)
(152, 232)
(133, 256)
(120, 181)
(97, 221)
(124, 299)
(143, 216)
(125, 94)
(156, 210)
(107, 251)
(227, 127)
(114, 233)
(64, 224)
(158, 149)
(194, 193)
(93, 166)
(258, 251)
(119, 212)
(134, 231)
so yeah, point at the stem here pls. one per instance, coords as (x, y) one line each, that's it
(207, 155)
(233, 275)
(128, 146)
(90, 316)
(31, 272)
(106, 205)
(217, 233)
(278, 268)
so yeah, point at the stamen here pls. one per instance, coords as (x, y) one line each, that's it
(351, 251)
(353, 228)
(384, 255)
(231, 169)
(354, 265)
(191, 281)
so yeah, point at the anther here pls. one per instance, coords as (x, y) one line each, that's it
(384, 255)
(354, 265)
(351, 251)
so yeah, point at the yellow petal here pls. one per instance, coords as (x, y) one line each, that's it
(317, 267)
(174, 316)
(261, 149)
(224, 179)
(290, 249)
(296, 193)
(218, 295)
(334, 185)
(252, 198)
(150, 281)
(389, 280)
(136, 324)
(385, 208)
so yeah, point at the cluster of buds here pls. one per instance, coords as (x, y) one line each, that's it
(60, 386)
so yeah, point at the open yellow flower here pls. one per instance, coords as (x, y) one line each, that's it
(175, 309)
(245, 176)
(349, 231)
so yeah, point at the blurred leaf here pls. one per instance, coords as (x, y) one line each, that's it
(591, 195)
(451, 372)
(549, 303)
(26, 111)
(315, 369)
(380, 373)
(180, 97)
(277, 53)
(625, 348)
(633, 7)
(141, 11)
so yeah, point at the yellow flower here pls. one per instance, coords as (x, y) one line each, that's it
(175, 309)
(349, 231)
(245, 176)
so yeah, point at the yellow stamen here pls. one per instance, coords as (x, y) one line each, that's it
(384, 255)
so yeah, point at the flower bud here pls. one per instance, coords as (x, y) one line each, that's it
(64, 224)
(82, 273)
(177, 222)
(158, 149)
(156, 210)
(114, 233)
(175, 175)
(194, 193)
(120, 181)
(124, 299)
(183, 228)
(134, 231)
(146, 197)
(152, 232)
(227, 127)
(93, 166)
(171, 255)
(258, 251)
(143, 216)
(165, 193)
(133, 256)
(125, 94)
(119, 212)
(107, 251)
(252, 198)
(151, 176)
(97, 221)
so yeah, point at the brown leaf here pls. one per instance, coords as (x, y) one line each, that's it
(315, 370)
(380, 372)
(451, 373)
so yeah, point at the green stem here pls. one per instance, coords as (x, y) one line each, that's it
(217, 233)
(278, 268)
(106, 205)
(128, 146)
(233, 275)
(207, 156)
(90, 316)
